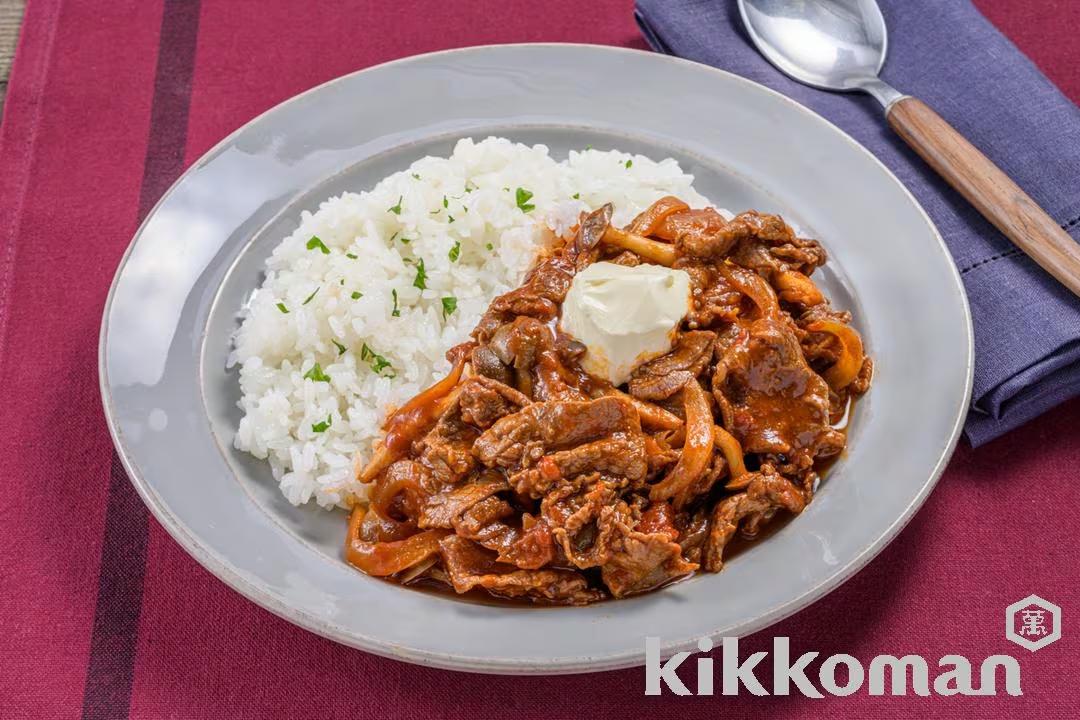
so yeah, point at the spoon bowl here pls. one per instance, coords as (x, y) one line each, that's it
(829, 44)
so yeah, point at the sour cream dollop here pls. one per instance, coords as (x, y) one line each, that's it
(624, 316)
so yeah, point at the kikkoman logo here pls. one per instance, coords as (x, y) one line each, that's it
(910, 673)
(1033, 623)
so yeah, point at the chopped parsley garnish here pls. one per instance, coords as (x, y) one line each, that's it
(350, 256)
(322, 426)
(416, 176)
(396, 209)
(284, 310)
(523, 196)
(489, 246)
(455, 252)
(576, 196)
(309, 297)
(377, 362)
(316, 243)
(629, 163)
(451, 218)
(420, 281)
(340, 348)
(469, 187)
(449, 305)
(588, 147)
(316, 374)
(395, 312)
(341, 282)
(445, 204)
(356, 295)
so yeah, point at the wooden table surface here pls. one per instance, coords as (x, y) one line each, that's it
(11, 12)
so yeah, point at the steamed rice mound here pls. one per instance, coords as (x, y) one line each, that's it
(361, 302)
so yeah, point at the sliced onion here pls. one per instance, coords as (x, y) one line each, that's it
(794, 287)
(697, 450)
(382, 559)
(847, 366)
(387, 488)
(648, 221)
(652, 416)
(411, 420)
(753, 286)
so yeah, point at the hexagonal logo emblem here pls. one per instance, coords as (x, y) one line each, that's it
(1033, 623)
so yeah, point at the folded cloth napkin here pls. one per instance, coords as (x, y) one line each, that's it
(1027, 326)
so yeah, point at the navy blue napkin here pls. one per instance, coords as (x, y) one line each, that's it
(1027, 326)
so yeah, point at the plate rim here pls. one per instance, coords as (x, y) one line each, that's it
(232, 577)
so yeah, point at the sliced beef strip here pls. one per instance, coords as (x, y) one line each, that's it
(483, 401)
(659, 517)
(715, 300)
(766, 493)
(573, 511)
(621, 454)
(700, 233)
(469, 566)
(637, 561)
(442, 509)
(770, 399)
(694, 533)
(553, 381)
(666, 375)
(533, 547)
(539, 297)
(447, 449)
(528, 547)
(482, 522)
(767, 245)
(635, 551)
(524, 437)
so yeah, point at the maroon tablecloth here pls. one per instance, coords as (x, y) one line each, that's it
(103, 615)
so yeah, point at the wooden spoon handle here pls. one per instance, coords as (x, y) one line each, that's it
(984, 185)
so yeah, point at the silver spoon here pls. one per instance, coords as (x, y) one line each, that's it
(840, 45)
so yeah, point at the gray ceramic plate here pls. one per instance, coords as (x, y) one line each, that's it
(171, 404)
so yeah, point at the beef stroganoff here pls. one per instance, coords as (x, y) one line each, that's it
(539, 469)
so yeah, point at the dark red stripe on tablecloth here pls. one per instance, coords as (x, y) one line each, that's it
(111, 666)
(120, 585)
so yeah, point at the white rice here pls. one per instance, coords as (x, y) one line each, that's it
(476, 187)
